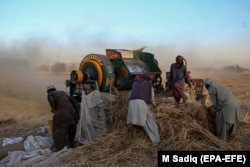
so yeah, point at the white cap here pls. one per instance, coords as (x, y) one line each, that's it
(51, 87)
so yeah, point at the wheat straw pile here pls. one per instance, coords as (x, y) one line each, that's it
(187, 127)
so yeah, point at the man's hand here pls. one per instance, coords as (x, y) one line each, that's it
(212, 108)
(189, 85)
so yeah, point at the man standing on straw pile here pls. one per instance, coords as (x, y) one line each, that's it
(139, 112)
(66, 115)
(228, 113)
(177, 79)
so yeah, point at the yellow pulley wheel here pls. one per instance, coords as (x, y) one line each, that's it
(76, 76)
(98, 68)
(79, 76)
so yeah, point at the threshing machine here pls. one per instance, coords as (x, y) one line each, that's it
(118, 68)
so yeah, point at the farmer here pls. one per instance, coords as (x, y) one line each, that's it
(177, 78)
(66, 115)
(228, 113)
(139, 112)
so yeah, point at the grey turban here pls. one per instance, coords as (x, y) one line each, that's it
(209, 81)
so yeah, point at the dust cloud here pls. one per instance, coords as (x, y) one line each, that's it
(21, 83)
(22, 89)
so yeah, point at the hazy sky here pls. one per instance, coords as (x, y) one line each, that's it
(206, 32)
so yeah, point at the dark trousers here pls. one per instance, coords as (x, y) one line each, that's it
(64, 136)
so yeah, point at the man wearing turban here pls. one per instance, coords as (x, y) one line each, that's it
(177, 79)
(228, 113)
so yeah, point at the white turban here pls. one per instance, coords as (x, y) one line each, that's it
(209, 81)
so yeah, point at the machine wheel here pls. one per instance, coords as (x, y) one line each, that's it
(97, 67)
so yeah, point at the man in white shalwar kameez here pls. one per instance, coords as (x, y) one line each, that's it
(228, 113)
(139, 109)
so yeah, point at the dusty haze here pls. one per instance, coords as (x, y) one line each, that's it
(199, 54)
(19, 58)
(23, 91)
